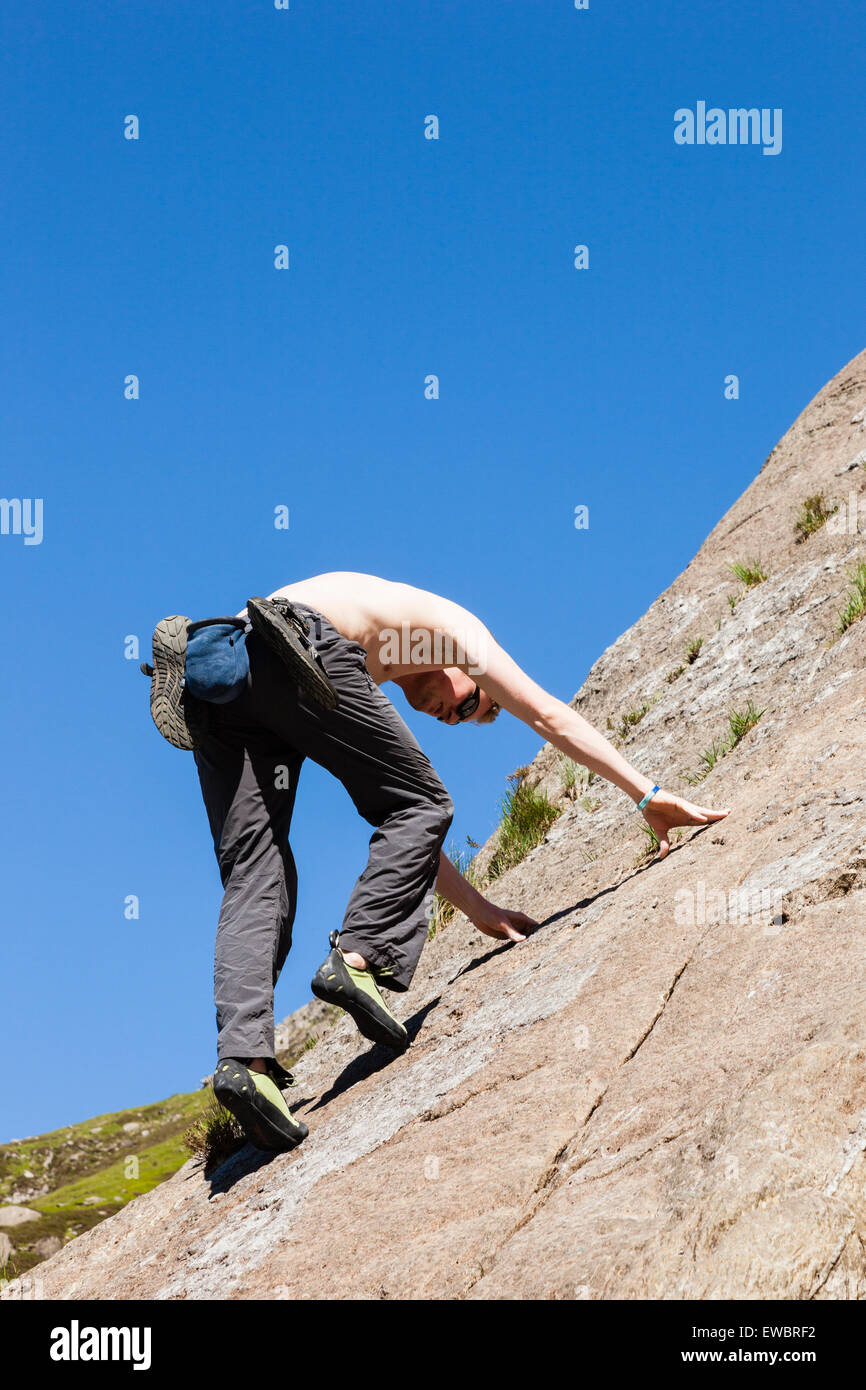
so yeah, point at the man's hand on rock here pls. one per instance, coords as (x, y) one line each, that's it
(500, 922)
(665, 812)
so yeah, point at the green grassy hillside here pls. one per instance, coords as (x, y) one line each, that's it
(77, 1176)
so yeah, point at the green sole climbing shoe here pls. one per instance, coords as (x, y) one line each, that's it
(284, 630)
(355, 991)
(178, 717)
(255, 1100)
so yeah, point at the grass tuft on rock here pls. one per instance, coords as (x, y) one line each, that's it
(526, 818)
(749, 572)
(215, 1135)
(739, 724)
(651, 845)
(693, 650)
(573, 778)
(856, 604)
(630, 720)
(568, 776)
(812, 515)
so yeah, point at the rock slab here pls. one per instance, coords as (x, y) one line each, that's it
(662, 1093)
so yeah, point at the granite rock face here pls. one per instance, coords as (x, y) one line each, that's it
(660, 1094)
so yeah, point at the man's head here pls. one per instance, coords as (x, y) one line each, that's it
(449, 696)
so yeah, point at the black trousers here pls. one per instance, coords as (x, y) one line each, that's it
(248, 767)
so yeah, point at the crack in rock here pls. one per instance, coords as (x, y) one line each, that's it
(555, 1174)
(435, 1114)
(833, 1261)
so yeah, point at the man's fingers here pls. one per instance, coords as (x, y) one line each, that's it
(519, 932)
(706, 814)
(505, 932)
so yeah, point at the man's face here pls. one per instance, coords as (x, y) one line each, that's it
(439, 693)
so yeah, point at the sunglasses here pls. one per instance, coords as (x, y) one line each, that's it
(466, 708)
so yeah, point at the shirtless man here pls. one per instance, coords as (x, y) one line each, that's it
(366, 631)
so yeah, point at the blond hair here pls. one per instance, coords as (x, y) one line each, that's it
(489, 715)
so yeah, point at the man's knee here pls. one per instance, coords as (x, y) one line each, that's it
(433, 813)
(445, 811)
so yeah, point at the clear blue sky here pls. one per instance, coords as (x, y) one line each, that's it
(305, 388)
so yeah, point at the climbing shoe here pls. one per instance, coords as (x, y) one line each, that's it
(356, 991)
(256, 1101)
(284, 630)
(180, 719)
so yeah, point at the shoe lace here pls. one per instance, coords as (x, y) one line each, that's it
(279, 1075)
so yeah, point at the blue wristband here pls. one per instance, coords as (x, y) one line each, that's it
(647, 798)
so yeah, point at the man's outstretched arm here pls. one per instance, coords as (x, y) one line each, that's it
(557, 723)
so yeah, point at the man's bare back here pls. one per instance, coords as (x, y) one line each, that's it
(368, 610)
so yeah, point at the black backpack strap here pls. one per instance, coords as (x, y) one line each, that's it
(209, 622)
